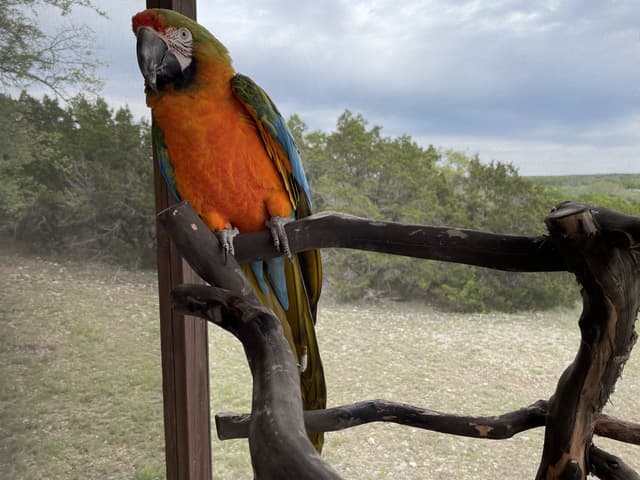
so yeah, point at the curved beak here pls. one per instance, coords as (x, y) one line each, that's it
(156, 63)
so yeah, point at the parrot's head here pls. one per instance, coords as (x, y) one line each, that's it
(172, 47)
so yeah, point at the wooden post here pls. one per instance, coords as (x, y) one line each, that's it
(184, 345)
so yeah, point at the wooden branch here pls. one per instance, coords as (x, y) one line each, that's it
(609, 467)
(231, 425)
(337, 230)
(201, 248)
(278, 441)
(617, 429)
(600, 247)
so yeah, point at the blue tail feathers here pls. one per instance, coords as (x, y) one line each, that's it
(277, 279)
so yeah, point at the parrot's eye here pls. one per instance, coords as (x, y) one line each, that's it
(184, 34)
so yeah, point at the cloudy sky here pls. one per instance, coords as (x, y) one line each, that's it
(551, 86)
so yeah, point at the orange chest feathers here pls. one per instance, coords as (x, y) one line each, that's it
(220, 163)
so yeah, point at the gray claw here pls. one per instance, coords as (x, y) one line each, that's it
(226, 240)
(280, 240)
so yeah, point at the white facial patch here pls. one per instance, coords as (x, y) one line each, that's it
(180, 43)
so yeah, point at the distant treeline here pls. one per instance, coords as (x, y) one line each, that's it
(78, 181)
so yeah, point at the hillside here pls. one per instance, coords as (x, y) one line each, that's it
(626, 186)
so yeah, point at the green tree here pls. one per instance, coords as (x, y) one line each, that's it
(356, 169)
(18, 191)
(615, 202)
(493, 197)
(56, 61)
(78, 179)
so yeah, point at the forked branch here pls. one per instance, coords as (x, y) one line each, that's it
(278, 441)
(600, 246)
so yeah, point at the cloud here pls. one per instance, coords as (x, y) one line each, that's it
(543, 157)
(557, 78)
(481, 67)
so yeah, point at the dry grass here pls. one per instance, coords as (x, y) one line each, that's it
(80, 388)
(471, 364)
(80, 384)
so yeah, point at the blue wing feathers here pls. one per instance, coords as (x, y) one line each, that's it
(275, 271)
(288, 145)
(164, 162)
(264, 112)
(258, 271)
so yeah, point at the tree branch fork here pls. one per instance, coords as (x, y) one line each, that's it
(599, 246)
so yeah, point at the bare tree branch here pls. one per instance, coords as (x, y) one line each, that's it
(600, 247)
(56, 61)
(331, 230)
(231, 425)
(609, 467)
(278, 441)
(616, 429)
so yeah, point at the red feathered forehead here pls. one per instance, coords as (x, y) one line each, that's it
(148, 18)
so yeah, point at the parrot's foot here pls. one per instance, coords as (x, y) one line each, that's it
(280, 240)
(225, 236)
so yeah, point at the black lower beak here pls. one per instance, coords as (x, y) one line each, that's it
(157, 64)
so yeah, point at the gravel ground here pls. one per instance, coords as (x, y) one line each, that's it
(465, 364)
(80, 384)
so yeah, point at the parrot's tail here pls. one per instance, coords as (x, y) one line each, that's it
(303, 279)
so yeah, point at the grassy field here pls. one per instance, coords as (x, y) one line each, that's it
(626, 186)
(80, 384)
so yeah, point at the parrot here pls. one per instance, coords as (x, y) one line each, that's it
(222, 145)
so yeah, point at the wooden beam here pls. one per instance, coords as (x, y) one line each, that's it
(184, 344)
(186, 7)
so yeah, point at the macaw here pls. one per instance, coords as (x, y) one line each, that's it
(223, 145)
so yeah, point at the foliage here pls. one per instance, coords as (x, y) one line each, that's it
(76, 179)
(357, 170)
(57, 60)
(617, 191)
